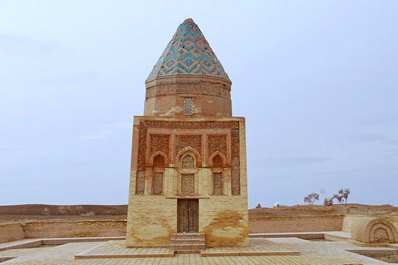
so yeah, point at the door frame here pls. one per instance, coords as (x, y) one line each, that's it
(179, 228)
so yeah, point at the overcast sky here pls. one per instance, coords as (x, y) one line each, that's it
(316, 80)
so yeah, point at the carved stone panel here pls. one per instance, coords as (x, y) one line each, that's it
(140, 183)
(217, 184)
(193, 141)
(217, 143)
(381, 235)
(188, 162)
(157, 183)
(190, 124)
(187, 184)
(160, 142)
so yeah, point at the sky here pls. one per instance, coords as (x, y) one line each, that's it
(317, 82)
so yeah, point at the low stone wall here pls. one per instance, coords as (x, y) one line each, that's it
(11, 232)
(296, 224)
(74, 229)
(349, 220)
(60, 229)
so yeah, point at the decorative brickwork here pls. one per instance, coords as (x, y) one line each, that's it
(188, 140)
(188, 162)
(235, 178)
(217, 143)
(160, 142)
(193, 141)
(233, 125)
(188, 106)
(187, 184)
(141, 146)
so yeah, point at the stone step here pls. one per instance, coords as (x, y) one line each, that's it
(188, 243)
(188, 235)
(188, 246)
(188, 251)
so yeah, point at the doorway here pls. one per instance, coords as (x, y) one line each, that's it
(187, 216)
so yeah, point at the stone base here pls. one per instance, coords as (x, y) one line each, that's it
(118, 249)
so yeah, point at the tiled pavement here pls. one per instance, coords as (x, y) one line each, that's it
(312, 252)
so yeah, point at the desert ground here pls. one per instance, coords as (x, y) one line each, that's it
(79, 234)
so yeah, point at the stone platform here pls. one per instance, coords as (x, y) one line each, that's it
(312, 252)
(256, 247)
(117, 249)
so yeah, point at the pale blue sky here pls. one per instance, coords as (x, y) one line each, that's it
(316, 80)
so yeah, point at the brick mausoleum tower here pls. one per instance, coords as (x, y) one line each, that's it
(188, 167)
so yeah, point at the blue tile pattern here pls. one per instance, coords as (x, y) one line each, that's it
(188, 54)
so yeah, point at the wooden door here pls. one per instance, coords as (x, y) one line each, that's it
(187, 216)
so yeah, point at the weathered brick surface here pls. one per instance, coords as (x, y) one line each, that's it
(10, 232)
(295, 224)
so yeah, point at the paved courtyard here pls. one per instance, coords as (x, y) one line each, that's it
(311, 252)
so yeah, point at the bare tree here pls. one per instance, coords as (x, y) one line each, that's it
(311, 198)
(345, 193)
(342, 195)
(328, 202)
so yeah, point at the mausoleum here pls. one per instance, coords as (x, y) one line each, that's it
(188, 169)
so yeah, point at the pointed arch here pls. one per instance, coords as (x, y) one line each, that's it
(157, 154)
(189, 150)
(217, 155)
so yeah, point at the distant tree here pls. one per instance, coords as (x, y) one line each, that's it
(328, 202)
(342, 195)
(338, 197)
(311, 198)
(258, 206)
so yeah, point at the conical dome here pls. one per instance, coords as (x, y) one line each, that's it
(188, 54)
(188, 80)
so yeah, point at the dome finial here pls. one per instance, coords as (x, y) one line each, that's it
(188, 20)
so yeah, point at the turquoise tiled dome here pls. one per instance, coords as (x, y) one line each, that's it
(188, 54)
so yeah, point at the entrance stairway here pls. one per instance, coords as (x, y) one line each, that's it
(188, 242)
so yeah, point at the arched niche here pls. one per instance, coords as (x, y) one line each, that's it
(371, 231)
(156, 155)
(158, 162)
(189, 151)
(158, 165)
(217, 160)
(217, 163)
